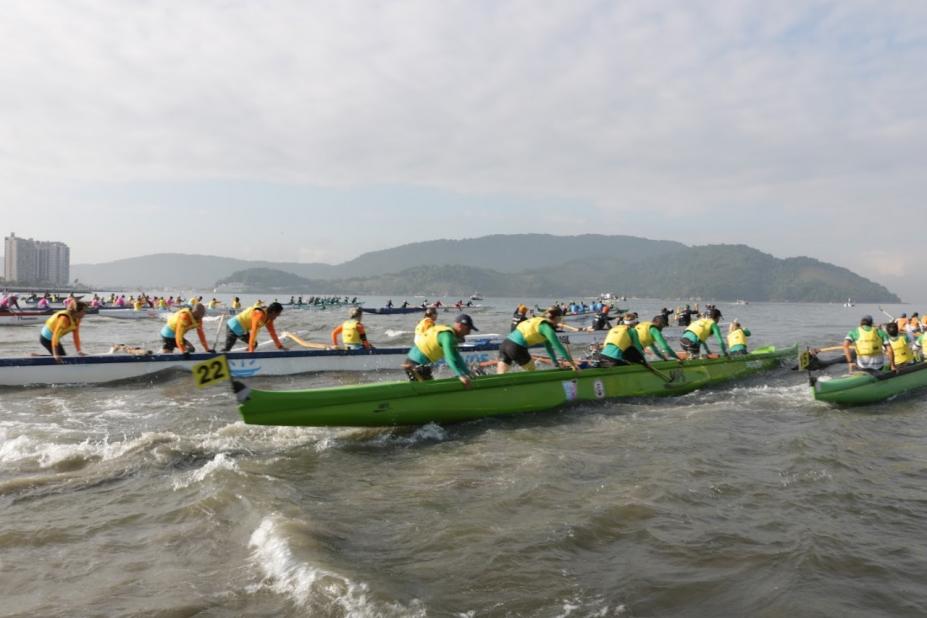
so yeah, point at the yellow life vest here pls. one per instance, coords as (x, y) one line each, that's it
(429, 346)
(162, 304)
(244, 318)
(738, 337)
(643, 334)
(349, 333)
(701, 328)
(174, 322)
(422, 328)
(137, 305)
(619, 337)
(236, 304)
(530, 329)
(212, 304)
(868, 343)
(53, 320)
(901, 349)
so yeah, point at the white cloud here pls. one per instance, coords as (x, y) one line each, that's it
(645, 111)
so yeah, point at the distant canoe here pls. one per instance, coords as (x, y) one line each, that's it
(392, 310)
(23, 318)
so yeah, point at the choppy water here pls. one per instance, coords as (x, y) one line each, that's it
(748, 500)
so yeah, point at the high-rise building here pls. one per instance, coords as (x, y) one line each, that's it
(36, 261)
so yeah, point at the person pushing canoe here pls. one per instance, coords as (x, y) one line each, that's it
(518, 316)
(425, 324)
(869, 343)
(178, 324)
(245, 326)
(900, 342)
(539, 329)
(650, 334)
(737, 338)
(696, 335)
(440, 342)
(352, 332)
(60, 324)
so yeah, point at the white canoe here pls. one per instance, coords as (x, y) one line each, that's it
(23, 318)
(103, 368)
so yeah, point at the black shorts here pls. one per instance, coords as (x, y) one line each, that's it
(169, 344)
(510, 352)
(231, 337)
(418, 373)
(689, 346)
(47, 344)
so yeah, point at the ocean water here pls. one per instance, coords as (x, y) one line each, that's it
(750, 499)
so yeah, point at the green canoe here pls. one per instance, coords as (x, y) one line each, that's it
(446, 401)
(864, 388)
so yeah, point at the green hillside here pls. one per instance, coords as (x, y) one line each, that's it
(718, 272)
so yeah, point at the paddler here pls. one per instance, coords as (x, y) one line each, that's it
(440, 342)
(650, 334)
(236, 304)
(9, 302)
(696, 335)
(61, 323)
(869, 343)
(737, 338)
(601, 320)
(539, 329)
(178, 324)
(900, 343)
(424, 325)
(520, 315)
(622, 346)
(245, 326)
(353, 334)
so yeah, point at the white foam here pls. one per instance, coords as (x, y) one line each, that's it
(305, 583)
(23, 449)
(392, 334)
(217, 463)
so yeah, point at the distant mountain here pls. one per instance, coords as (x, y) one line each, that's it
(717, 272)
(265, 280)
(179, 270)
(503, 253)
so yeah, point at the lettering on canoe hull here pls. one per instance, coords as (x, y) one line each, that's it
(569, 389)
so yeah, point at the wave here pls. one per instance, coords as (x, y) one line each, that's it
(311, 586)
(218, 463)
(24, 450)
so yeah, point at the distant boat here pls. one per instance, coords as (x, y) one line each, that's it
(849, 303)
(741, 302)
(476, 296)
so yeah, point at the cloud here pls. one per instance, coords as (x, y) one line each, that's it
(649, 114)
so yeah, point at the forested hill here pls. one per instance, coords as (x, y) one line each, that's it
(504, 253)
(718, 272)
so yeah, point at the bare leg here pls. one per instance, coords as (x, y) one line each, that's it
(501, 367)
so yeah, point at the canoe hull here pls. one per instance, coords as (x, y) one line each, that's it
(104, 368)
(446, 401)
(864, 389)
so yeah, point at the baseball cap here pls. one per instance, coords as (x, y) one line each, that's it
(466, 320)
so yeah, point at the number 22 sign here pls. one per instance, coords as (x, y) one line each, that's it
(211, 372)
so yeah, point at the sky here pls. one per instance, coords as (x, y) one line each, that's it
(316, 131)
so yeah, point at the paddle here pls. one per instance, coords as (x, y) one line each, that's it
(658, 373)
(305, 344)
(890, 316)
(215, 343)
